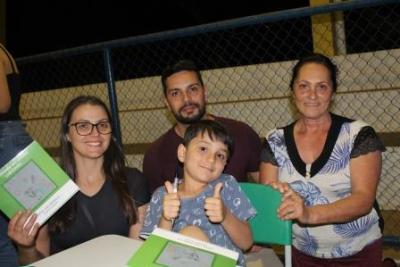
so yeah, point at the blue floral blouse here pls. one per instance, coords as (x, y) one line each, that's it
(327, 180)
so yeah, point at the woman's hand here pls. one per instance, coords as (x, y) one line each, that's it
(23, 230)
(33, 244)
(281, 187)
(293, 207)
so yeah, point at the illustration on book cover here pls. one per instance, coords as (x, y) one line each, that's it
(179, 255)
(29, 186)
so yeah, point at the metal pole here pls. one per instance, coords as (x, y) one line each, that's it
(112, 96)
(340, 33)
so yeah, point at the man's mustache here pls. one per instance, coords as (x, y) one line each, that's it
(188, 105)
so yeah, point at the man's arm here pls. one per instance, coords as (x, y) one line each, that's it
(253, 177)
(150, 171)
(255, 146)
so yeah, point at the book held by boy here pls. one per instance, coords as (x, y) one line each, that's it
(166, 248)
(33, 180)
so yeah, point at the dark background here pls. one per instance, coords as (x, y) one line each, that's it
(34, 27)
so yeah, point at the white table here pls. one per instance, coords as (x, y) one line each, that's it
(103, 251)
(115, 251)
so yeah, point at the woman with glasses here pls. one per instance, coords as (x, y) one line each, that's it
(112, 198)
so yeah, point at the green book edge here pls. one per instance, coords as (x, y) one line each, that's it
(151, 249)
(36, 155)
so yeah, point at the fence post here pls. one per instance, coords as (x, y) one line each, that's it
(112, 96)
(339, 32)
(323, 31)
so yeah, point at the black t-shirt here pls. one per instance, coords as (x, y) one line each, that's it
(101, 214)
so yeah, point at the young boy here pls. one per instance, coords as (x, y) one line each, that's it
(206, 204)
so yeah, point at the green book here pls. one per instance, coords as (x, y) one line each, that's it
(33, 180)
(166, 248)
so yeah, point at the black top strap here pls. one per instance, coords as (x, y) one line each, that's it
(330, 142)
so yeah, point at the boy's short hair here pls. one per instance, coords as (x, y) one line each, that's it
(213, 130)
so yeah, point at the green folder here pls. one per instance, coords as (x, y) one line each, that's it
(166, 248)
(32, 180)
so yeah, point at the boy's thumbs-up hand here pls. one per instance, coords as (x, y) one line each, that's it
(214, 206)
(171, 203)
(217, 190)
(169, 187)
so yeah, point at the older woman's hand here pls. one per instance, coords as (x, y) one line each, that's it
(293, 207)
(281, 187)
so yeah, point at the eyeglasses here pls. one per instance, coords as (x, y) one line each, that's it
(86, 128)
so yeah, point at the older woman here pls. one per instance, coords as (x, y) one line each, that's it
(328, 168)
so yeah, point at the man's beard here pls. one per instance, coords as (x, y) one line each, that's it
(190, 120)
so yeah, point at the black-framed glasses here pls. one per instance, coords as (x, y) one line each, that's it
(86, 128)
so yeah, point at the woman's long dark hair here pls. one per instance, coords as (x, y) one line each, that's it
(113, 166)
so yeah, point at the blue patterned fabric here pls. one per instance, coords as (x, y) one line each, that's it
(331, 183)
(192, 212)
(13, 138)
(8, 254)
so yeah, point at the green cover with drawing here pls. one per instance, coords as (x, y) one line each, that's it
(166, 248)
(32, 180)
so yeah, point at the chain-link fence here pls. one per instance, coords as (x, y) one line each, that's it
(246, 66)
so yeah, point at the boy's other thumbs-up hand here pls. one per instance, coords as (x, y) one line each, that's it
(214, 206)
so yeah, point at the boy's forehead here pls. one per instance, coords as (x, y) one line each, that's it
(206, 137)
